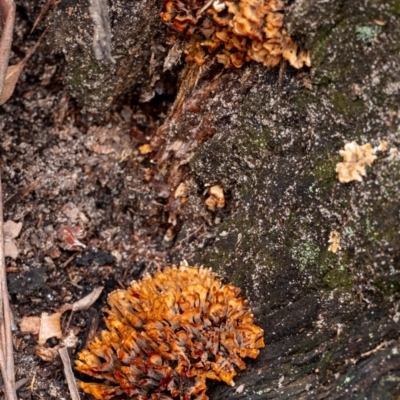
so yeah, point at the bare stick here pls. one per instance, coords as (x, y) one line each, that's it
(6, 344)
(69, 375)
(102, 30)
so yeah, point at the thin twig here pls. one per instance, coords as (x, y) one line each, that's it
(21, 193)
(69, 375)
(21, 382)
(6, 344)
(43, 12)
(18, 384)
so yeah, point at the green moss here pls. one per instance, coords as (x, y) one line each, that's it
(337, 278)
(328, 357)
(396, 6)
(303, 99)
(389, 287)
(318, 51)
(324, 172)
(346, 106)
(328, 260)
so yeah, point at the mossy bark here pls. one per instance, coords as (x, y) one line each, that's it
(137, 46)
(330, 320)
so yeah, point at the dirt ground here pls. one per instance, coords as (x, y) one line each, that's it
(62, 176)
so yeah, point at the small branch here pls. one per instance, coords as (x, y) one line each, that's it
(376, 349)
(69, 375)
(6, 344)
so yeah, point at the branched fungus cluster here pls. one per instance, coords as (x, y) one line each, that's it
(236, 31)
(167, 334)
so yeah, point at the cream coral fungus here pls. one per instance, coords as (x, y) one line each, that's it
(334, 240)
(168, 334)
(236, 31)
(355, 159)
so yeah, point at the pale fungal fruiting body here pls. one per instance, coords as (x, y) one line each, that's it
(167, 334)
(236, 31)
(216, 199)
(334, 240)
(355, 159)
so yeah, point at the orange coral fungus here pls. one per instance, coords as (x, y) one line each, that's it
(167, 334)
(236, 31)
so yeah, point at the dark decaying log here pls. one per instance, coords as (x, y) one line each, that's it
(331, 319)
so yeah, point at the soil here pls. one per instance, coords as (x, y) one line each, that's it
(61, 171)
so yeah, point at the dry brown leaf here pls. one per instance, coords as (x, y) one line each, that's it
(47, 354)
(13, 73)
(84, 303)
(87, 301)
(30, 325)
(50, 326)
(12, 229)
(355, 159)
(10, 249)
(181, 191)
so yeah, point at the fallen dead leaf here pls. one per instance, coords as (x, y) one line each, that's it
(11, 230)
(50, 326)
(181, 191)
(14, 71)
(47, 354)
(84, 303)
(30, 325)
(10, 249)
